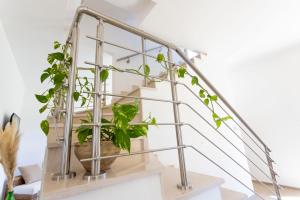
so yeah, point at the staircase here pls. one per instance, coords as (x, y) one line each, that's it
(148, 165)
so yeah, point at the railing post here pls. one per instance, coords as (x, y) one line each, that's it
(184, 183)
(67, 141)
(273, 175)
(144, 59)
(97, 112)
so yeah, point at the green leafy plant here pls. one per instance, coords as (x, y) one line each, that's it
(57, 74)
(118, 130)
(208, 99)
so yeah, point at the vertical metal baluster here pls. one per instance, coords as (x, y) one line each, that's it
(67, 141)
(104, 91)
(144, 59)
(273, 175)
(97, 113)
(184, 183)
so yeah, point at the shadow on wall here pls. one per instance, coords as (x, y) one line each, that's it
(4, 120)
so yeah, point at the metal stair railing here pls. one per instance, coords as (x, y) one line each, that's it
(98, 100)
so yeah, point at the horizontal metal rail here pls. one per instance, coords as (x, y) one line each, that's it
(133, 97)
(221, 150)
(136, 54)
(220, 96)
(191, 126)
(167, 149)
(192, 92)
(196, 112)
(132, 153)
(220, 167)
(189, 89)
(151, 78)
(126, 48)
(250, 160)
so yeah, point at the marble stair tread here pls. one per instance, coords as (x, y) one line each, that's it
(228, 194)
(53, 190)
(199, 182)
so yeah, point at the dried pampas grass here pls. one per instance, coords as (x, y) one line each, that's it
(9, 145)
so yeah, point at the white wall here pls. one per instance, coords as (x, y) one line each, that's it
(11, 86)
(268, 93)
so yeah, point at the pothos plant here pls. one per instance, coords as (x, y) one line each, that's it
(118, 129)
(57, 75)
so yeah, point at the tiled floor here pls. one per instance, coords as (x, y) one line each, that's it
(286, 194)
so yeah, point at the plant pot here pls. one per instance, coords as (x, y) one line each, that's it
(10, 196)
(84, 150)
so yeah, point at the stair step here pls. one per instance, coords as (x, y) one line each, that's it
(228, 194)
(144, 166)
(200, 184)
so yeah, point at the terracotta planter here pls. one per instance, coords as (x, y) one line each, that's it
(84, 150)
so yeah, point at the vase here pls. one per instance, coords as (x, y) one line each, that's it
(10, 196)
(83, 151)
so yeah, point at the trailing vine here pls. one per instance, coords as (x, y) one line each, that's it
(57, 75)
(208, 99)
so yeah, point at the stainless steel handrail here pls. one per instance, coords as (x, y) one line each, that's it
(100, 17)
(85, 10)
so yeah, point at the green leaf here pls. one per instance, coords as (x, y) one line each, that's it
(45, 126)
(181, 72)
(160, 58)
(146, 70)
(202, 93)
(138, 131)
(206, 102)
(76, 95)
(51, 92)
(218, 123)
(104, 75)
(42, 109)
(226, 118)
(124, 113)
(121, 139)
(44, 76)
(195, 80)
(55, 56)
(56, 45)
(153, 121)
(83, 132)
(41, 98)
(58, 78)
(214, 98)
(215, 116)
(83, 101)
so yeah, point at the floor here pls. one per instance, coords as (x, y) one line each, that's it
(287, 193)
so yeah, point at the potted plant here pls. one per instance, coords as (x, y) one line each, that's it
(115, 134)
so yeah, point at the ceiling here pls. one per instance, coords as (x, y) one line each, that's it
(229, 30)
